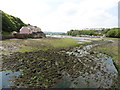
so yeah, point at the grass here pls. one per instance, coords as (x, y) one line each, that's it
(28, 45)
(24, 49)
(45, 44)
(5, 52)
(111, 49)
(50, 43)
(61, 43)
(107, 38)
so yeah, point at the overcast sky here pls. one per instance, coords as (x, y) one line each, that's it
(64, 15)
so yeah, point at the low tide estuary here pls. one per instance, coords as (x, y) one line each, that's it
(77, 67)
(98, 70)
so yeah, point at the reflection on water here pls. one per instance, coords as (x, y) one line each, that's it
(6, 78)
(95, 70)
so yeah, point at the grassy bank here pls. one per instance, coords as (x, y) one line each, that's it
(27, 45)
(112, 50)
(45, 44)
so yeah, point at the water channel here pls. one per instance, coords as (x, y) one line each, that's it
(98, 70)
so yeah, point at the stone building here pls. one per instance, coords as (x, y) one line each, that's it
(29, 29)
(32, 31)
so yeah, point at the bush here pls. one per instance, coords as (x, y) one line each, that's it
(115, 32)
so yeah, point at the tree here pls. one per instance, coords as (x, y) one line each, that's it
(114, 32)
(11, 23)
(82, 32)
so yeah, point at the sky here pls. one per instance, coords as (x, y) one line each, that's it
(64, 15)
(119, 15)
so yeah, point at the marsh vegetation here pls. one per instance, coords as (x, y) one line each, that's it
(59, 63)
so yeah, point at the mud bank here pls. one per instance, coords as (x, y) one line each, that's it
(75, 67)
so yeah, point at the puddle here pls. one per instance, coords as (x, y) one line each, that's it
(6, 78)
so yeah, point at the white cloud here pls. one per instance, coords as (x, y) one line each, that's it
(68, 14)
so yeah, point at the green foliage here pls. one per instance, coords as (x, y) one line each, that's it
(45, 44)
(5, 33)
(115, 32)
(82, 32)
(10, 23)
(104, 31)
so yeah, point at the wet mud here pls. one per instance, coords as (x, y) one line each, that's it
(75, 67)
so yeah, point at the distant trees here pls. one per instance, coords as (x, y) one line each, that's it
(113, 32)
(10, 23)
(62, 33)
(104, 31)
(82, 32)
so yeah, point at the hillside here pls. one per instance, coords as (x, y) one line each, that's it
(10, 23)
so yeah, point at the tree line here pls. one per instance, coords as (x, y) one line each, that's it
(113, 32)
(83, 32)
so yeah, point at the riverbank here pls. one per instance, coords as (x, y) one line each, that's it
(112, 49)
(53, 64)
(29, 45)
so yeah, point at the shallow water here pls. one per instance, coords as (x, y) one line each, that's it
(6, 78)
(98, 70)
(94, 77)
